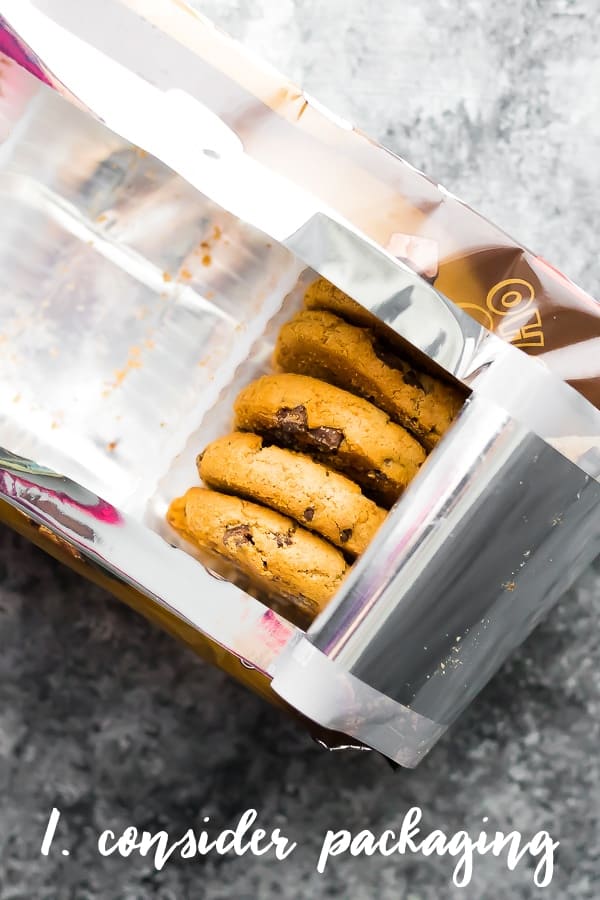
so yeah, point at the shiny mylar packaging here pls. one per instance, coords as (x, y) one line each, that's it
(164, 198)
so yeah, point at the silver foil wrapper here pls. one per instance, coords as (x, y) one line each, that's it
(164, 198)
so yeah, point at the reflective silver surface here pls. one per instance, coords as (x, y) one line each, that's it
(133, 310)
(330, 694)
(137, 557)
(484, 541)
(490, 367)
(129, 307)
(159, 95)
(129, 304)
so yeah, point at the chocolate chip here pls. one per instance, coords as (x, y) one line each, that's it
(345, 535)
(309, 513)
(283, 539)
(237, 535)
(378, 477)
(328, 439)
(292, 419)
(291, 425)
(292, 422)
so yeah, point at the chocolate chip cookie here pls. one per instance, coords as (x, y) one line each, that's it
(318, 343)
(321, 294)
(317, 497)
(334, 426)
(271, 549)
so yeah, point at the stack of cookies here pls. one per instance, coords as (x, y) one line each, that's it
(322, 449)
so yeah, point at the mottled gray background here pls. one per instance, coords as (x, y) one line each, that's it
(114, 723)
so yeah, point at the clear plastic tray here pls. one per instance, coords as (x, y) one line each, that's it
(132, 311)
